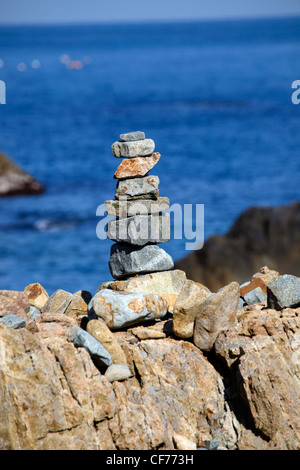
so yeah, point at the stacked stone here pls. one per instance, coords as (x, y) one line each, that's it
(140, 223)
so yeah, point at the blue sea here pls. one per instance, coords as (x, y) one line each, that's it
(214, 96)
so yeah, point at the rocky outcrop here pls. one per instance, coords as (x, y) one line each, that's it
(14, 181)
(260, 236)
(69, 381)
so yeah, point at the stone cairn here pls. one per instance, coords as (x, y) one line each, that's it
(140, 225)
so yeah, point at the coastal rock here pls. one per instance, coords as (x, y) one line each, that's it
(121, 309)
(135, 188)
(129, 136)
(216, 314)
(260, 236)
(140, 229)
(37, 295)
(284, 291)
(187, 306)
(167, 284)
(82, 339)
(142, 333)
(99, 330)
(117, 372)
(126, 260)
(14, 181)
(123, 209)
(138, 166)
(13, 321)
(130, 149)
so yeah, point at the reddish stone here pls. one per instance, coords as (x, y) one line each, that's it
(138, 166)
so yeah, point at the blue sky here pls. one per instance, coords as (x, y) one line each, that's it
(66, 11)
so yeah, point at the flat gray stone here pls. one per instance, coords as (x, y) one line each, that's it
(138, 188)
(83, 339)
(283, 292)
(126, 260)
(140, 229)
(13, 321)
(123, 209)
(34, 312)
(255, 296)
(137, 148)
(131, 136)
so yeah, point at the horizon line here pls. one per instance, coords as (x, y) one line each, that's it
(153, 21)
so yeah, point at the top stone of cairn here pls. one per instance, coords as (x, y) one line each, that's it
(131, 136)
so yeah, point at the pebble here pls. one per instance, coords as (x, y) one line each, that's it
(139, 166)
(136, 188)
(138, 148)
(130, 136)
(13, 321)
(126, 260)
(140, 229)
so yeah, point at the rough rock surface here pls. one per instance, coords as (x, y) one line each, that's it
(14, 181)
(140, 229)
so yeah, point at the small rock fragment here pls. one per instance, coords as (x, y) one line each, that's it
(83, 339)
